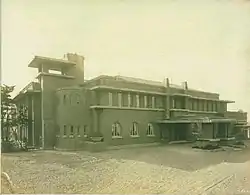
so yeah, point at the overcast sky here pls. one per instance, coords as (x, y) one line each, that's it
(206, 43)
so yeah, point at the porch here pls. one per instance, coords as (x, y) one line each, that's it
(189, 128)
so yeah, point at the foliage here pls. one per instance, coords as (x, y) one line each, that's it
(8, 110)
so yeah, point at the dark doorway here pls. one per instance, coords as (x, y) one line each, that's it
(222, 130)
(180, 132)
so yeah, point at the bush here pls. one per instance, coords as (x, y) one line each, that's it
(13, 146)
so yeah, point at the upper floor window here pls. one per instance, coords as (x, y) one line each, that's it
(129, 100)
(150, 130)
(110, 99)
(120, 99)
(173, 103)
(134, 132)
(145, 101)
(116, 130)
(137, 101)
(153, 102)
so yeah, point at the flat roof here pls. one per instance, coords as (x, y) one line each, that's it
(55, 64)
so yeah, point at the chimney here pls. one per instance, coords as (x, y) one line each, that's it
(185, 85)
(166, 82)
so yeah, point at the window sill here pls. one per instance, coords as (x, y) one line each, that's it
(116, 137)
(57, 136)
(64, 136)
(150, 135)
(134, 136)
(85, 136)
(71, 136)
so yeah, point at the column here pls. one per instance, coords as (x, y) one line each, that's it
(33, 120)
(95, 120)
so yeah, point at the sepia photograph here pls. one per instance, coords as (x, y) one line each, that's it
(125, 97)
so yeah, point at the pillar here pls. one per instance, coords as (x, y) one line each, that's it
(95, 121)
(167, 99)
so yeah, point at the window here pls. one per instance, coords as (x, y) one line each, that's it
(129, 100)
(110, 99)
(150, 130)
(78, 130)
(64, 130)
(137, 101)
(120, 99)
(134, 130)
(153, 102)
(173, 103)
(145, 101)
(85, 130)
(116, 130)
(72, 130)
(77, 99)
(64, 99)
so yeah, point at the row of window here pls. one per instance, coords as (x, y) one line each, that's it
(134, 130)
(133, 100)
(197, 105)
(72, 99)
(74, 130)
(116, 130)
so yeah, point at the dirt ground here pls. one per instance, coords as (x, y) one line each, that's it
(159, 169)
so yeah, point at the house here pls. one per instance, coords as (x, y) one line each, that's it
(65, 110)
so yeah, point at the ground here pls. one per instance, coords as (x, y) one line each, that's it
(156, 169)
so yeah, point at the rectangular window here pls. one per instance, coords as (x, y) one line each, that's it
(72, 130)
(110, 99)
(64, 130)
(85, 130)
(153, 102)
(129, 100)
(173, 103)
(78, 130)
(137, 101)
(120, 99)
(145, 101)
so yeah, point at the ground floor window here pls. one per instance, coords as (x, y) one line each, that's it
(150, 130)
(134, 130)
(65, 130)
(116, 130)
(85, 130)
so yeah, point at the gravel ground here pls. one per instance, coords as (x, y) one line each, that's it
(170, 169)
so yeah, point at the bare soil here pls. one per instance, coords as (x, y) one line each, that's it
(163, 169)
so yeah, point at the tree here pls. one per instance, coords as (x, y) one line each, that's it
(8, 110)
(22, 117)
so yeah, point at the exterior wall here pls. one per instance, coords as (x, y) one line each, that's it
(207, 131)
(50, 84)
(71, 112)
(125, 119)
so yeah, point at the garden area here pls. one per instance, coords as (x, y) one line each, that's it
(13, 120)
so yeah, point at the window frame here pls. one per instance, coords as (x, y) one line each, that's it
(150, 128)
(116, 126)
(135, 127)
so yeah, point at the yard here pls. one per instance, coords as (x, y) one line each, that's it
(158, 169)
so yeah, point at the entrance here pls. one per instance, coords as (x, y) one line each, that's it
(179, 132)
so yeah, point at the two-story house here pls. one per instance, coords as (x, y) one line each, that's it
(65, 110)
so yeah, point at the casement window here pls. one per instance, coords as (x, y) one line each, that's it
(145, 101)
(150, 130)
(134, 132)
(78, 130)
(85, 131)
(116, 130)
(110, 99)
(71, 130)
(137, 101)
(129, 100)
(65, 130)
(153, 102)
(120, 99)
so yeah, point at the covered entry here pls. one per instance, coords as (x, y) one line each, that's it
(189, 127)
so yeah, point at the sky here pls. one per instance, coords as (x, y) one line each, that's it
(204, 42)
